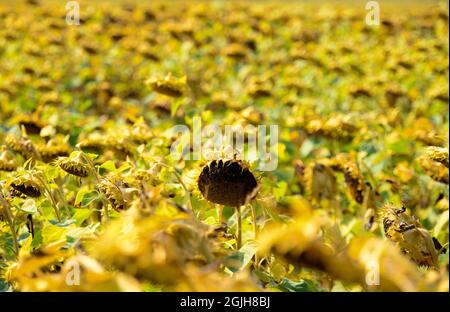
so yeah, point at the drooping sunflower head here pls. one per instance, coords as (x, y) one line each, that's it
(31, 122)
(54, 148)
(113, 192)
(439, 154)
(94, 142)
(434, 169)
(320, 182)
(407, 232)
(395, 220)
(334, 127)
(168, 85)
(74, 164)
(227, 182)
(117, 192)
(20, 145)
(7, 163)
(355, 181)
(25, 184)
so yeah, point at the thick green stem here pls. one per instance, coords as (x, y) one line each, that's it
(255, 228)
(238, 228)
(106, 212)
(92, 166)
(255, 233)
(50, 195)
(54, 204)
(9, 218)
(61, 196)
(219, 209)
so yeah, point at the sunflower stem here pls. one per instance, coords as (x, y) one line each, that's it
(255, 233)
(54, 204)
(219, 209)
(50, 195)
(105, 212)
(9, 218)
(91, 165)
(255, 228)
(60, 183)
(238, 228)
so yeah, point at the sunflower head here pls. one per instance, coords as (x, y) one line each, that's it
(26, 184)
(436, 170)
(20, 145)
(31, 123)
(227, 182)
(407, 232)
(54, 148)
(118, 193)
(7, 163)
(320, 182)
(74, 164)
(169, 85)
(395, 220)
(95, 143)
(355, 181)
(439, 154)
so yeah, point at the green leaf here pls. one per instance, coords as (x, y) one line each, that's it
(442, 223)
(109, 165)
(280, 190)
(80, 196)
(74, 235)
(51, 173)
(263, 276)
(400, 147)
(85, 197)
(240, 259)
(37, 240)
(4, 286)
(301, 286)
(63, 224)
(149, 287)
(29, 206)
(6, 246)
(234, 261)
(47, 209)
(52, 233)
(125, 166)
(248, 250)
(307, 148)
(81, 215)
(174, 106)
(91, 155)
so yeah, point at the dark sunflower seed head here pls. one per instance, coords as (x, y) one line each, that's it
(227, 182)
(28, 189)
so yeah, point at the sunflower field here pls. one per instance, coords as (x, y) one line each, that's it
(92, 198)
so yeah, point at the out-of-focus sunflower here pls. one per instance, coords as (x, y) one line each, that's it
(407, 232)
(169, 85)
